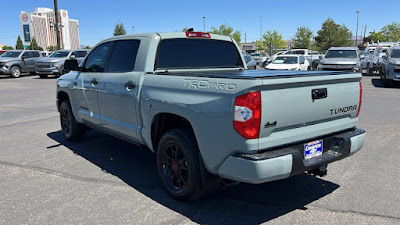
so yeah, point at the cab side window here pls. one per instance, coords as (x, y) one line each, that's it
(97, 60)
(25, 55)
(123, 56)
(35, 54)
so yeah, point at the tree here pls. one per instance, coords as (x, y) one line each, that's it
(119, 29)
(273, 39)
(377, 36)
(333, 35)
(302, 38)
(391, 32)
(5, 47)
(34, 45)
(19, 44)
(87, 47)
(226, 30)
(185, 29)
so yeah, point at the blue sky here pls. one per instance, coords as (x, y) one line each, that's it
(97, 18)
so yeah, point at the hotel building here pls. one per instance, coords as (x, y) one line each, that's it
(41, 25)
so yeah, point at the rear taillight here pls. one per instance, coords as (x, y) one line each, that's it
(359, 102)
(247, 115)
(197, 34)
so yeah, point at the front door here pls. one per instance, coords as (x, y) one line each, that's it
(87, 81)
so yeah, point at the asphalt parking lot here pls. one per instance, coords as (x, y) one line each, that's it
(103, 180)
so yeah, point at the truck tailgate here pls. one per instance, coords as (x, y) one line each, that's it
(306, 107)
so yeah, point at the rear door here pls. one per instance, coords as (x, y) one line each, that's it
(118, 89)
(86, 83)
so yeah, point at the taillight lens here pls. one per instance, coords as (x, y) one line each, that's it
(359, 102)
(247, 115)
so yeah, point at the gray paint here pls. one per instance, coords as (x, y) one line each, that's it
(206, 99)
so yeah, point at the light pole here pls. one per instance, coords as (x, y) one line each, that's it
(365, 30)
(358, 12)
(260, 28)
(204, 24)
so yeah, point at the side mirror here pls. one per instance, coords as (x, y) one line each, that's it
(320, 57)
(362, 57)
(384, 57)
(24, 57)
(71, 64)
(72, 57)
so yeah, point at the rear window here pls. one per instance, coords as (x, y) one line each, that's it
(196, 54)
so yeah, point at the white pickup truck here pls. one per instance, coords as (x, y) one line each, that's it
(313, 57)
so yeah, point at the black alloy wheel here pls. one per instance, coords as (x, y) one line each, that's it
(70, 128)
(178, 165)
(175, 167)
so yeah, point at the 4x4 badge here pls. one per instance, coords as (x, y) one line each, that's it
(270, 124)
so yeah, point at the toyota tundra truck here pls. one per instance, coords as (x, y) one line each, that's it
(189, 98)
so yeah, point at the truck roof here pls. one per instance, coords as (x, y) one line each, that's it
(169, 35)
(343, 48)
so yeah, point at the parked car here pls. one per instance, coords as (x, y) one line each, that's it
(256, 56)
(313, 57)
(370, 62)
(341, 58)
(264, 60)
(271, 58)
(15, 62)
(208, 119)
(288, 62)
(250, 62)
(390, 67)
(54, 64)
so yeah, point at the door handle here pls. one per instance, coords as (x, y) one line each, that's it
(130, 85)
(319, 93)
(94, 82)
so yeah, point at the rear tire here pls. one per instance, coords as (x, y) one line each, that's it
(15, 72)
(70, 128)
(178, 165)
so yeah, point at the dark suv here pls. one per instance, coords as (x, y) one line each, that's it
(16, 62)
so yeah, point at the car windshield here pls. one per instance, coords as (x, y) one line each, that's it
(296, 52)
(341, 54)
(11, 54)
(60, 54)
(396, 53)
(285, 60)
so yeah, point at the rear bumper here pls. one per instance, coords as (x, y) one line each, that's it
(288, 161)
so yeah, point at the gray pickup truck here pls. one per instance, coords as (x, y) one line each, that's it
(189, 98)
(15, 62)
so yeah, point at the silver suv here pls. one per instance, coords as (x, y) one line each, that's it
(54, 64)
(15, 62)
(390, 67)
(341, 58)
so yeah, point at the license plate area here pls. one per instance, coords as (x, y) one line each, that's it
(313, 149)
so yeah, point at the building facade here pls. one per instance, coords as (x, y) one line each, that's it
(41, 24)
